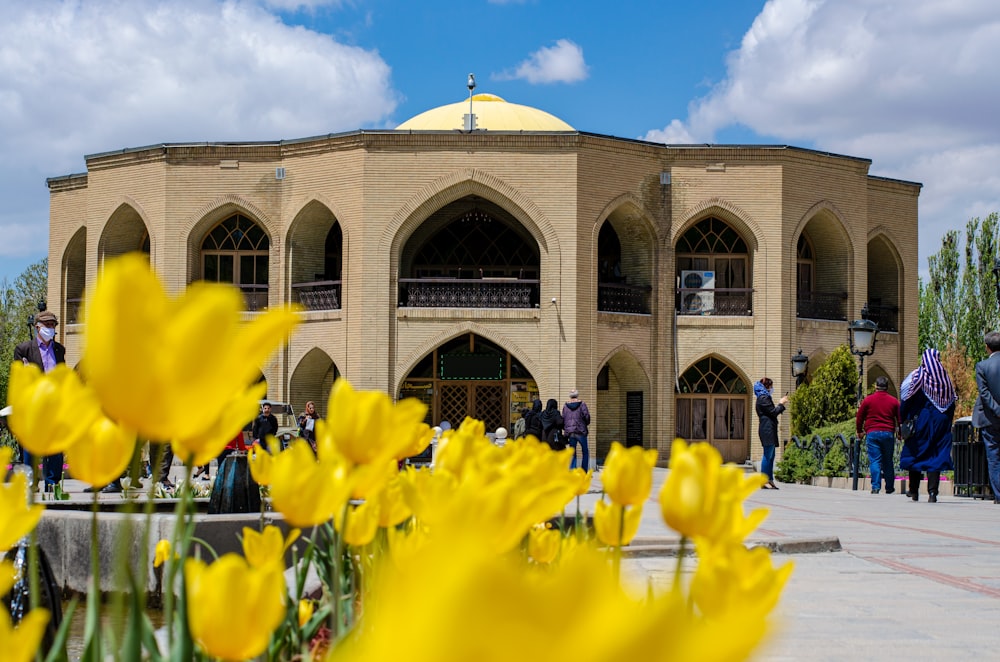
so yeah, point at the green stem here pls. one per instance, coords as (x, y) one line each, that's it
(681, 553)
(618, 547)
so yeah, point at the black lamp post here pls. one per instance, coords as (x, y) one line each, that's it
(800, 364)
(31, 319)
(862, 335)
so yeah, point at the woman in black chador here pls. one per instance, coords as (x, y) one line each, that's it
(552, 425)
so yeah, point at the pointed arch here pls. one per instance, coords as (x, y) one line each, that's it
(314, 256)
(714, 405)
(125, 230)
(458, 185)
(824, 285)
(312, 379)
(73, 278)
(736, 216)
(467, 326)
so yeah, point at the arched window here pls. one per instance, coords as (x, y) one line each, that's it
(711, 245)
(236, 251)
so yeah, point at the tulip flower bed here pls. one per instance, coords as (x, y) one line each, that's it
(453, 563)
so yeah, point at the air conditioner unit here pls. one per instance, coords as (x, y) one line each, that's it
(701, 301)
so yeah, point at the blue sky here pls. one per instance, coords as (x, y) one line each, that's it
(910, 84)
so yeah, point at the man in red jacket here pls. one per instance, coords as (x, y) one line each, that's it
(878, 420)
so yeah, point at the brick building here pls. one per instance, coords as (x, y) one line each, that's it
(479, 269)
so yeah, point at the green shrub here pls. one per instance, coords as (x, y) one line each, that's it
(796, 465)
(845, 428)
(835, 463)
(829, 397)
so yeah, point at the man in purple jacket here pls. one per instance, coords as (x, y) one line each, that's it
(576, 419)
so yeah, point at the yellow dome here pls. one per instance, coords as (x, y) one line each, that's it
(492, 114)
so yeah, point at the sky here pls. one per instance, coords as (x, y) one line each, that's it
(912, 85)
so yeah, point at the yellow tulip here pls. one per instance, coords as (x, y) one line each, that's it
(548, 613)
(261, 461)
(365, 427)
(202, 448)
(422, 435)
(614, 529)
(307, 491)
(392, 507)
(628, 474)
(180, 390)
(584, 479)
(21, 643)
(368, 480)
(49, 412)
(17, 518)
(266, 548)
(162, 553)
(701, 497)
(103, 454)
(305, 612)
(543, 544)
(730, 577)
(210, 591)
(362, 522)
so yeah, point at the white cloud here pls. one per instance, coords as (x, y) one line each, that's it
(85, 77)
(296, 5)
(911, 84)
(561, 63)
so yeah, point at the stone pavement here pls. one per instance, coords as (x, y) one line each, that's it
(917, 580)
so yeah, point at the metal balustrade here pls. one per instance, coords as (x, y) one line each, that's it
(736, 301)
(822, 305)
(317, 294)
(468, 293)
(623, 298)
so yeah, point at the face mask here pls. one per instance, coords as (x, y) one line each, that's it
(46, 333)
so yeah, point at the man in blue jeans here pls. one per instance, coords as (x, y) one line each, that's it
(986, 413)
(878, 419)
(576, 422)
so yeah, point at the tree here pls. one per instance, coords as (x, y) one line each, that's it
(17, 302)
(830, 397)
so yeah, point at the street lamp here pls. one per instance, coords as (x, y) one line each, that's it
(31, 319)
(862, 335)
(800, 364)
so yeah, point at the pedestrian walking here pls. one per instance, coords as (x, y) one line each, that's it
(533, 421)
(986, 414)
(878, 419)
(552, 425)
(767, 414)
(927, 401)
(576, 424)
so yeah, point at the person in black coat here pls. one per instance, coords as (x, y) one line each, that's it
(552, 425)
(767, 413)
(533, 421)
(46, 352)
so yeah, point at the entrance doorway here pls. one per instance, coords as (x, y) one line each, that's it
(471, 376)
(712, 406)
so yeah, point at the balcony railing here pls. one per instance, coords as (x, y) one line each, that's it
(255, 296)
(623, 298)
(719, 301)
(887, 317)
(822, 305)
(73, 311)
(468, 293)
(317, 294)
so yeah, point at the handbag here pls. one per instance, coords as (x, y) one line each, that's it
(907, 428)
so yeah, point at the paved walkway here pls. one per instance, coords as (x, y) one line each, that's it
(916, 580)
